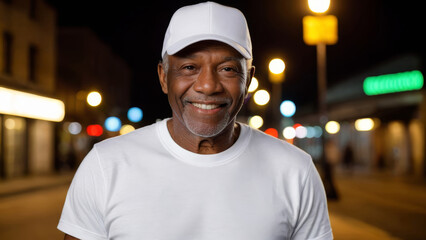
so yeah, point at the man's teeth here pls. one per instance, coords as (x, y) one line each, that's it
(206, 106)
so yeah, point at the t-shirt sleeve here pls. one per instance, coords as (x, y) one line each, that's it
(83, 212)
(313, 220)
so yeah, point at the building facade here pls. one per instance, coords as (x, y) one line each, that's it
(85, 64)
(27, 88)
(396, 141)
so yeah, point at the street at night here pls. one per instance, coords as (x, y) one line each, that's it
(341, 80)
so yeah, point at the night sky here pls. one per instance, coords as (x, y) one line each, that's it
(370, 32)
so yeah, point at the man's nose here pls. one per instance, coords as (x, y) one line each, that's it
(208, 82)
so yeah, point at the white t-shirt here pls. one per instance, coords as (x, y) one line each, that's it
(143, 185)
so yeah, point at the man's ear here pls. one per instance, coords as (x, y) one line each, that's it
(249, 77)
(162, 77)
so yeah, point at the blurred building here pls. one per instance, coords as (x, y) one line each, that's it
(396, 141)
(27, 88)
(85, 64)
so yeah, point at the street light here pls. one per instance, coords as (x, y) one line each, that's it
(276, 66)
(319, 6)
(321, 30)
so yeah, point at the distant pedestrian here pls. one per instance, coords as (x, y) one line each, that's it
(348, 157)
(200, 174)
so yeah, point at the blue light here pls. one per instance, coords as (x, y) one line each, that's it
(288, 108)
(135, 114)
(113, 124)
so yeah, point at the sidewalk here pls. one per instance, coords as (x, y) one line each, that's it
(346, 228)
(378, 205)
(33, 183)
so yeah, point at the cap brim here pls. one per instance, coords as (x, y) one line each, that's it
(176, 47)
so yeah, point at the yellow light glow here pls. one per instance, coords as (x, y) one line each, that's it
(126, 129)
(94, 98)
(332, 127)
(256, 122)
(10, 124)
(320, 29)
(289, 133)
(253, 85)
(261, 97)
(276, 66)
(319, 6)
(29, 105)
(364, 124)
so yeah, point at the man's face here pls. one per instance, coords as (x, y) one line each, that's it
(206, 85)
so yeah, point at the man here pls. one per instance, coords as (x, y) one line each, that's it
(200, 174)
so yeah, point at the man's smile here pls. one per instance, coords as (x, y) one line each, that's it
(206, 106)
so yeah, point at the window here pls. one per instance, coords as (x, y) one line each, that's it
(32, 63)
(7, 52)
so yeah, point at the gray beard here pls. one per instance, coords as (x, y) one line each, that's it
(204, 130)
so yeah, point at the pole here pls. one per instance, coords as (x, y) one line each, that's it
(322, 109)
(322, 78)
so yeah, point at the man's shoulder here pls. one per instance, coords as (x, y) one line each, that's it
(138, 137)
(276, 148)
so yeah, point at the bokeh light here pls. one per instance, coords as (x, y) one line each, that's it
(301, 132)
(126, 128)
(113, 124)
(253, 85)
(272, 131)
(364, 124)
(332, 127)
(135, 114)
(288, 108)
(261, 97)
(276, 66)
(256, 122)
(289, 133)
(74, 128)
(94, 130)
(94, 98)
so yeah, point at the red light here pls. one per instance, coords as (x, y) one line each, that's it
(94, 130)
(272, 131)
(297, 125)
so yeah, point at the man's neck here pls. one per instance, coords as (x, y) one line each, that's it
(203, 145)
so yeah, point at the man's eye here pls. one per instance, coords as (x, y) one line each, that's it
(189, 67)
(228, 69)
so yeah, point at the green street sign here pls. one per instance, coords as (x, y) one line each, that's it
(391, 83)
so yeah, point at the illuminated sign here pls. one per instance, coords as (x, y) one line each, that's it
(29, 105)
(391, 83)
(320, 29)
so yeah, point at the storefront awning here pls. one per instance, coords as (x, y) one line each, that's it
(18, 103)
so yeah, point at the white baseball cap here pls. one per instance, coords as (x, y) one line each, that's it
(207, 21)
